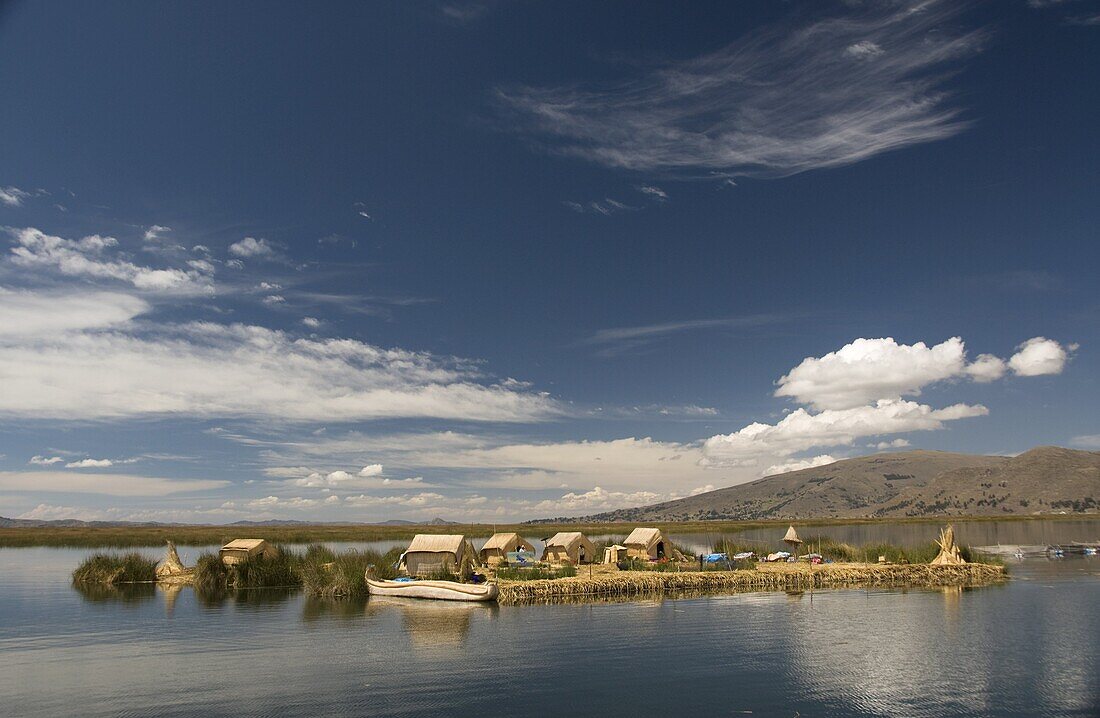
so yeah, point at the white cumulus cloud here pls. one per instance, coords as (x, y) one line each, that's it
(90, 464)
(867, 370)
(799, 464)
(90, 257)
(870, 369)
(800, 430)
(252, 247)
(155, 232)
(1039, 356)
(986, 368)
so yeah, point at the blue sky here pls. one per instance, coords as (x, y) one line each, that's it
(494, 261)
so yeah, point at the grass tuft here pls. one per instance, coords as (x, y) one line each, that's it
(113, 568)
(211, 575)
(278, 571)
(332, 575)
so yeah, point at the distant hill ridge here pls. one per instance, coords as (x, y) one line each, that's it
(1047, 479)
(6, 523)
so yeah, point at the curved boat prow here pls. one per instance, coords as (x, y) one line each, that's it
(435, 590)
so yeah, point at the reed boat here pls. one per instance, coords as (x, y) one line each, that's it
(437, 590)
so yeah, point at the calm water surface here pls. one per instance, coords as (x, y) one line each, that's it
(1029, 648)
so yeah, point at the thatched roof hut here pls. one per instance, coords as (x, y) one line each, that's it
(239, 550)
(647, 544)
(433, 553)
(569, 547)
(499, 545)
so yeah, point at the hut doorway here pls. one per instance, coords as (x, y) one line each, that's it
(660, 549)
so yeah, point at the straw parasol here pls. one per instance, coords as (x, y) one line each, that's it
(792, 540)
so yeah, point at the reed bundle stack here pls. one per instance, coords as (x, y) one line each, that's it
(949, 554)
(171, 569)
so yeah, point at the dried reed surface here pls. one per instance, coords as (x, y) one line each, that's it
(771, 577)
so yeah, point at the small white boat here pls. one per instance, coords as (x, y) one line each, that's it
(437, 590)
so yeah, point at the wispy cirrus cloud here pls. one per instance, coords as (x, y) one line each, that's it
(605, 206)
(1085, 20)
(783, 100)
(26, 313)
(619, 339)
(107, 484)
(1087, 441)
(463, 12)
(653, 192)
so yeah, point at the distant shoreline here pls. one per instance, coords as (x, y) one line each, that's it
(210, 535)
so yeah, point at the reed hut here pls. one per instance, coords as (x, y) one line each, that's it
(614, 553)
(434, 553)
(647, 544)
(569, 547)
(499, 545)
(239, 550)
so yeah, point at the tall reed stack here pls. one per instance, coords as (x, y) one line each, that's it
(782, 577)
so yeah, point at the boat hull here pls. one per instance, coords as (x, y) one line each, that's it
(434, 590)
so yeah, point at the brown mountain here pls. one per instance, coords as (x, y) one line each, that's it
(1047, 479)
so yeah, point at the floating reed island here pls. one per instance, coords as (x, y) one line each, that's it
(646, 563)
(764, 577)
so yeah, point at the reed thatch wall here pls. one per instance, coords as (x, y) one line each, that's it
(786, 578)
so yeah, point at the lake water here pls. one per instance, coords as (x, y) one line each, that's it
(1028, 648)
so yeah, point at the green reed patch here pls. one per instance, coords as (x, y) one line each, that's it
(342, 575)
(211, 575)
(535, 573)
(112, 568)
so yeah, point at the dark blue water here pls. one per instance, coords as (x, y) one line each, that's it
(1029, 648)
